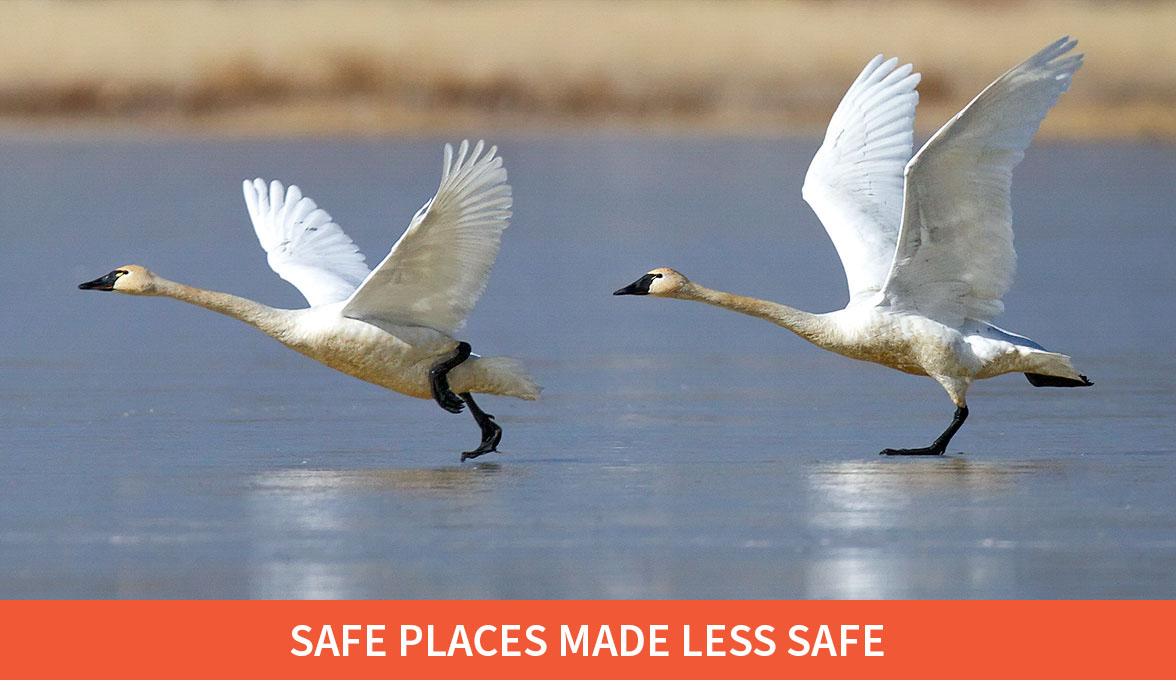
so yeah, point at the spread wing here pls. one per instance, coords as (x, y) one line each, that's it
(438, 269)
(955, 256)
(302, 244)
(854, 183)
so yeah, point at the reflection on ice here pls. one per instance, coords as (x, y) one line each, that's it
(300, 580)
(310, 525)
(444, 479)
(863, 509)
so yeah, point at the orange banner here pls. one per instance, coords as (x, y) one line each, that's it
(584, 639)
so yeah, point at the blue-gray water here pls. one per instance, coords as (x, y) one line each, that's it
(153, 449)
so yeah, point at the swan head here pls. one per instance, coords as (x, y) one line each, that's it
(131, 279)
(660, 282)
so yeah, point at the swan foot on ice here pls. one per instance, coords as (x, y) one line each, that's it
(939, 446)
(491, 432)
(439, 383)
(932, 450)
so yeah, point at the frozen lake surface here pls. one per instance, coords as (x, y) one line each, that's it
(150, 449)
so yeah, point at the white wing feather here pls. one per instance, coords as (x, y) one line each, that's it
(955, 256)
(439, 267)
(302, 244)
(854, 183)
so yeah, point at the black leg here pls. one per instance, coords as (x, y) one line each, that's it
(940, 444)
(439, 383)
(491, 432)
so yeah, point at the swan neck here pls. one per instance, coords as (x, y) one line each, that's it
(265, 318)
(804, 324)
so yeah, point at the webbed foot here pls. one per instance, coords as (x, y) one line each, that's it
(491, 431)
(925, 451)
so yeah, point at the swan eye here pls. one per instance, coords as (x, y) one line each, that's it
(120, 272)
(657, 276)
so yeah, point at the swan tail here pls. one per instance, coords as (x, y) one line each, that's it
(1042, 380)
(503, 376)
(1049, 369)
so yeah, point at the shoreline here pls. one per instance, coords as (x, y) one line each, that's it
(356, 67)
(1141, 126)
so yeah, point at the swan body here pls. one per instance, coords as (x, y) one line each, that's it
(397, 357)
(392, 326)
(926, 241)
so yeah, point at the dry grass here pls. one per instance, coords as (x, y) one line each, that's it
(258, 66)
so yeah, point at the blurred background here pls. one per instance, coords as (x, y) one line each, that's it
(296, 66)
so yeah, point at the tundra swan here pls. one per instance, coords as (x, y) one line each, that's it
(391, 326)
(927, 259)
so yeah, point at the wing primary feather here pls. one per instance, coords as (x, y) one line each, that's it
(954, 258)
(302, 244)
(854, 183)
(438, 268)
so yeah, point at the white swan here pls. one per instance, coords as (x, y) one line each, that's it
(927, 260)
(391, 326)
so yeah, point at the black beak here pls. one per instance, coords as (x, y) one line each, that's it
(104, 283)
(638, 287)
